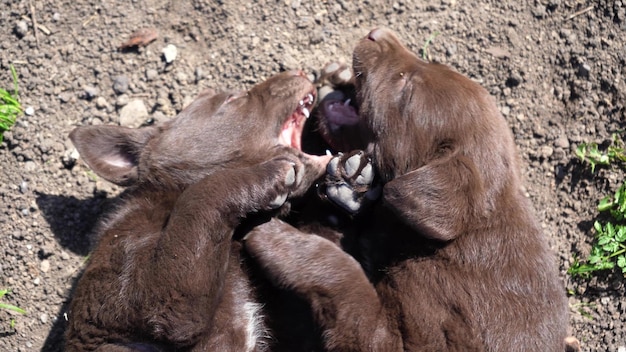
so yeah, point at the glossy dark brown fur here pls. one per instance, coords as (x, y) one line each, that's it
(452, 258)
(166, 273)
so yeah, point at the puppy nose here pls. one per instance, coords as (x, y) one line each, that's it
(376, 34)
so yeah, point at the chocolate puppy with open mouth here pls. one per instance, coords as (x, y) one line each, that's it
(167, 272)
(452, 256)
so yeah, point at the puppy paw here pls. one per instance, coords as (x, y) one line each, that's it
(350, 181)
(289, 180)
(336, 85)
(294, 173)
(336, 74)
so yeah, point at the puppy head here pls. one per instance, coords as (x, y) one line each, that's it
(215, 131)
(419, 112)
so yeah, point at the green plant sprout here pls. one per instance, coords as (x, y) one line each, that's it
(9, 306)
(609, 247)
(10, 107)
(425, 54)
(589, 152)
(581, 308)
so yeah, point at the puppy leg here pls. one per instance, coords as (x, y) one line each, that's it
(344, 302)
(179, 306)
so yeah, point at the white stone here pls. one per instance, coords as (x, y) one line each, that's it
(169, 53)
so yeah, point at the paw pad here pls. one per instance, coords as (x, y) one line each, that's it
(350, 181)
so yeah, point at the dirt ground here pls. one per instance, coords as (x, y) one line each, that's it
(556, 67)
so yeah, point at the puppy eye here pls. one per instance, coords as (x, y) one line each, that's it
(404, 78)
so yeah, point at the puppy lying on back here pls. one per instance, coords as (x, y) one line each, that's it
(452, 257)
(166, 273)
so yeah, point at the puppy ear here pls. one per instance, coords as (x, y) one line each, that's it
(112, 151)
(439, 199)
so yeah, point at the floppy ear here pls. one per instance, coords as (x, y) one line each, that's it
(439, 199)
(112, 151)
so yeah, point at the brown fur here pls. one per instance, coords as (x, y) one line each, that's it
(452, 258)
(166, 273)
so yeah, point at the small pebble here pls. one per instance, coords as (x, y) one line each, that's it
(21, 29)
(169, 53)
(151, 74)
(45, 265)
(122, 100)
(133, 114)
(199, 74)
(23, 187)
(30, 111)
(562, 142)
(43, 317)
(64, 255)
(120, 84)
(101, 103)
(90, 92)
(584, 70)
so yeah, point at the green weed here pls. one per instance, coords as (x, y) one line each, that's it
(425, 53)
(10, 107)
(609, 248)
(590, 153)
(9, 306)
(582, 309)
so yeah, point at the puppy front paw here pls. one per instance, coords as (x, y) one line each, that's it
(350, 181)
(294, 173)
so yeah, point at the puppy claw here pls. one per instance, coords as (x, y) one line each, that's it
(291, 177)
(349, 181)
(278, 201)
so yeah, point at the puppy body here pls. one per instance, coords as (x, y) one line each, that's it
(167, 273)
(453, 256)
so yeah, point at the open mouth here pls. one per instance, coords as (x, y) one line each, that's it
(339, 111)
(291, 131)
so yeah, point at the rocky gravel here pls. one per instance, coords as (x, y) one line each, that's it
(557, 69)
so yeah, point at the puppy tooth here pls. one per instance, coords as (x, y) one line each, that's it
(301, 102)
(306, 112)
(328, 152)
(347, 102)
(310, 96)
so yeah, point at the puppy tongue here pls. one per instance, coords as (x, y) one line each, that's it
(339, 113)
(291, 132)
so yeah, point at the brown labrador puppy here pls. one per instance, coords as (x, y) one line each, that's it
(452, 257)
(167, 273)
